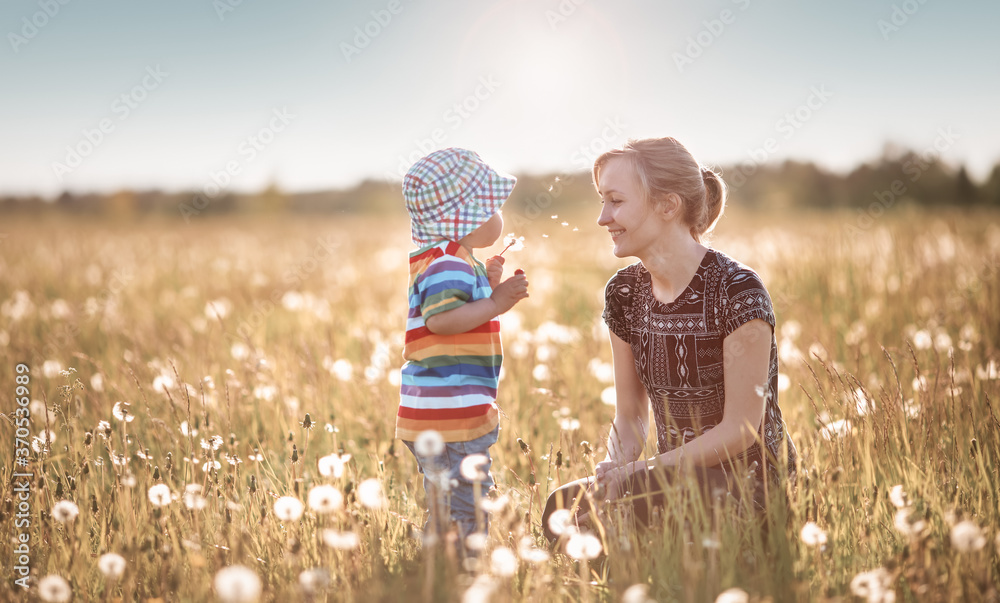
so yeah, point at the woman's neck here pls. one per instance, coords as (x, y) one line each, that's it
(672, 266)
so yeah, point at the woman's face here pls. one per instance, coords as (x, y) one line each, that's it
(625, 213)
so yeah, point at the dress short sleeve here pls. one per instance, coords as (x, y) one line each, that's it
(616, 296)
(447, 283)
(745, 298)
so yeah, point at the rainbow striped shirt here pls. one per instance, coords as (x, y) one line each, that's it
(449, 382)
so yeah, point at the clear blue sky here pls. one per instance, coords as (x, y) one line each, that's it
(548, 83)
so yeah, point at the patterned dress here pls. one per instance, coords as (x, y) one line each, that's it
(679, 359)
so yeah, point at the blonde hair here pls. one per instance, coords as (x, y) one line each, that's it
(664, 165)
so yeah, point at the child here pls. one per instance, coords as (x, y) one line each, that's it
(452, 351)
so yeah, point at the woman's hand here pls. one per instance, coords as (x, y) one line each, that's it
(612, 477)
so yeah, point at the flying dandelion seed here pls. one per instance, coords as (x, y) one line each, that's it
(503, 562)
(159, 495)
(429, 443)
(237, 584)
(583, 546)
(733, 595)
(812, 534)
(112, 565)
(342, 541)
(333, 465)
(967, 537)
(65, 511)
(898, 497)
(475, 467)
(370, 494)
(288, 508)
(122, 413)
(325, 499)
(54, 589)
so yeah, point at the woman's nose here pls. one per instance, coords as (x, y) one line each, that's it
(604, 219)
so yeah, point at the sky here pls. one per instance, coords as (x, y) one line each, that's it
(100, 95)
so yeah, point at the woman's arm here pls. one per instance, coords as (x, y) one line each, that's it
(746, 355)
(631, 424)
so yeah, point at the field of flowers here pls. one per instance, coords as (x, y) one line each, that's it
(208, 415)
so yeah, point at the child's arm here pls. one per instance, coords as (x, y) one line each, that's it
(470, 315)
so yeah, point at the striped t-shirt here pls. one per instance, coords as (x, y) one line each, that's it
(449, 382)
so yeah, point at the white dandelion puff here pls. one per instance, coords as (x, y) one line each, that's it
(163, 383)
(494, 505)
(54, 589)
(569, 424)
(112, 565)
(561, 522)
(989, 372)
(503, 562)
(370, 494)
(812, 535)
(193, 499)
(237, 584)
(637, 593)
(903, 523)
(325, 499)
(836, 429)
(529, 553)
(122, 413)
(333, 465)
(159, 495)
(967, 537)
(312, 581)
(476, 541)
(733, 595)
(898, 497)
(873, 585)
(65, 511)
(343, 541)
(609, 395)
(288, 508)
(583, 546)
(429, 443)
(475, 467)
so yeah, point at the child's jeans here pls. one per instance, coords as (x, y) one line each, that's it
(449, 494)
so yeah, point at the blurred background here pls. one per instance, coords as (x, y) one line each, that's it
(189, 108)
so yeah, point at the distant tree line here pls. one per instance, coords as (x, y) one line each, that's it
(896, 177)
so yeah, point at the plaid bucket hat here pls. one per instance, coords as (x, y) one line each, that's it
(452, 192)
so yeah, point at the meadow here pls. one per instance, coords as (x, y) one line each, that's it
(215, 401)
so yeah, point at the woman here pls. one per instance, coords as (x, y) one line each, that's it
(692, 332)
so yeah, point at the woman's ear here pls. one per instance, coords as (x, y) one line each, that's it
(670, 205)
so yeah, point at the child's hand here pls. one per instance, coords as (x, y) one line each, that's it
(509, 292)
(494, 270)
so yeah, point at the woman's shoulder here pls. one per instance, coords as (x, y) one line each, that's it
(624, 281)
(732, 273)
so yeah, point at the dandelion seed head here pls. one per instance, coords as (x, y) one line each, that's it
(812, 535)
(325, 499)
(288, 508)
(475, 467)
(65, 511)
(583, 546)
(637, 593)
(54, 589)
(494, 505)
(967, 537)
(313, 581)
(159, 495)
(370, 494)
(836, 429)
(529, 553)
(609, 395)
(873, 584)
(733, 595)
(163, 383)
(503, 562)
(476, 541)
(123, 412)
(237, 584)
(112, 565)
(898, 497)
(429, 443)
(333, 465)
(342, 541)
(561, 522)
(922, 340)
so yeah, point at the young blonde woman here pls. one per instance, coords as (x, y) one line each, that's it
(692, 334)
